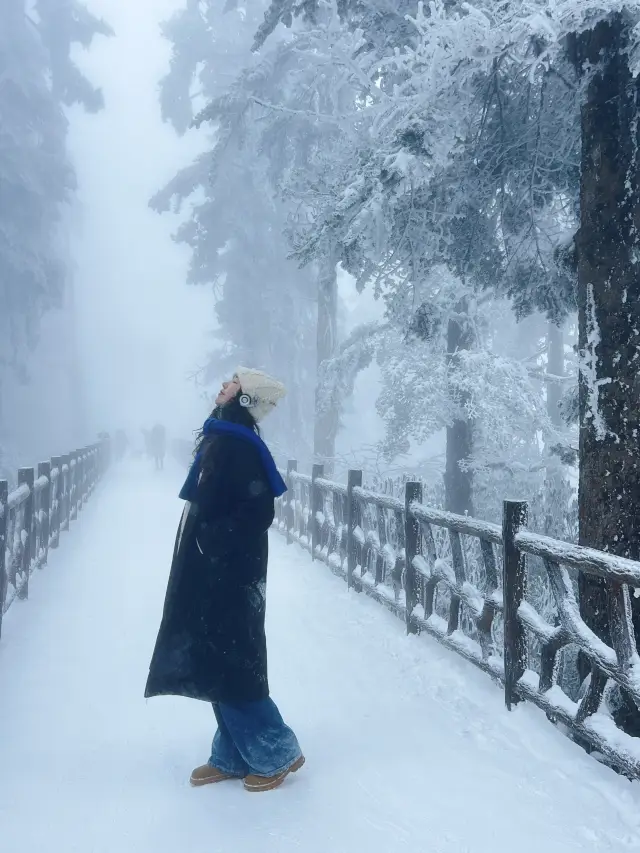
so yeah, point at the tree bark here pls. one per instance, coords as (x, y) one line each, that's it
(327, 417)
(609, 307)
(458, 483)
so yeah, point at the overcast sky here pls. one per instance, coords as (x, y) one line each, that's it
(142, 330)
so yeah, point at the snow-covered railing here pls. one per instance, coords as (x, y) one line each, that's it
(454, 558)
(33, 515)
(313, 513)
(610, 665)
(464, 582)
(298, 507)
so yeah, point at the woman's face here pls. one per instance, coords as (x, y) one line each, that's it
(228, 391)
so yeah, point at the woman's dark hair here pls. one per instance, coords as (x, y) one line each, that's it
(233, 412)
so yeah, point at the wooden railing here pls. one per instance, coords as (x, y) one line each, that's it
(32, 516)
(464, 582)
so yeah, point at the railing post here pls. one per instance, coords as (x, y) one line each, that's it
(317, 473)
(73, 487)
(86, 473)
(82, 462)
(26, 477)
(44, 508)
(88, 469)
(56, 463)
(79, 481)
(354, 480)
(412, 549)
(514, 583)
(65, 501)
(4, 521)
(92, 470)
(290, 514)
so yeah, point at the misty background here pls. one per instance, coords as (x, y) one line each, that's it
(218, 203)
(119, 351)
(141, 332)
(399, 209)
(126, 347)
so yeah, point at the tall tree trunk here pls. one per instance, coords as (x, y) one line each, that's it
(609, 307)
(458, 484)
(327, 416)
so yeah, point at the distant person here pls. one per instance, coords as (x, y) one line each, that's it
(211, 644)
(158, 445)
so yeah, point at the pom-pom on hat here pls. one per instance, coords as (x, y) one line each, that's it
(259, 392)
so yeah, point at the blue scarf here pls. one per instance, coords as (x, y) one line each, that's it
(213, 426)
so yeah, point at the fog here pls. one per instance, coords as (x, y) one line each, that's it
(141, 331)
(415, 226)
(406, 342)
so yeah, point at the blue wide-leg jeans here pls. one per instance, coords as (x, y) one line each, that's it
(252, 739)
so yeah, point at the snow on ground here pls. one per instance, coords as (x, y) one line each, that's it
(408, 747)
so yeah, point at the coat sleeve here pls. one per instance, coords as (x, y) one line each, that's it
(234, 500)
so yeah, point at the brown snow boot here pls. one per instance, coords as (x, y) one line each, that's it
(208, 775)
(268, 783)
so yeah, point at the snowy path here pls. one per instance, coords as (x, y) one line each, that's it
(408, 748)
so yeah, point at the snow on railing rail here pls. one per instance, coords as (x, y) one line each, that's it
(460, 523)
(43, 504)
(17, 497)
(587, 560)
(464, 581)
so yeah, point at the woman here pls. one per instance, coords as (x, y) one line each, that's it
(211, 644)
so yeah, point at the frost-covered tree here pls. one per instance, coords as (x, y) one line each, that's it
(302, 130)
(36, 178)
(460, 154)
(308, 119)
(264, 305)
(501, 141)
(496, 387)
(381, 22)
(62, 25)
(478, 142)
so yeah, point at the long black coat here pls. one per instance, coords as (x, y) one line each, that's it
(211, 644)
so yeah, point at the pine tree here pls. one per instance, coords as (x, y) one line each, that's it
(486, 192)
(63, 24)
(263, 305)
(37, 180)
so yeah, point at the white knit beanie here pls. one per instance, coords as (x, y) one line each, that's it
(261, 391)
